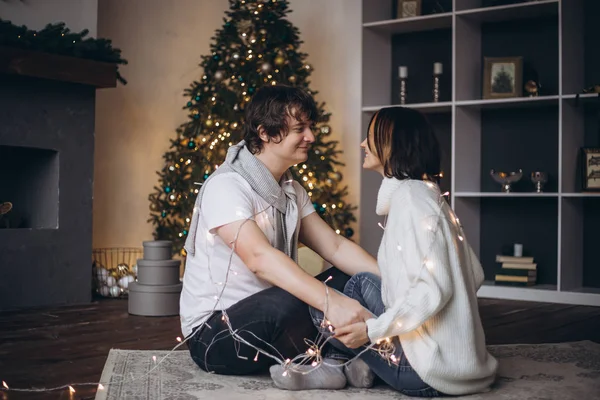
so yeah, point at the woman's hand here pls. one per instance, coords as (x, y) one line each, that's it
(352, 336)
(344, 311)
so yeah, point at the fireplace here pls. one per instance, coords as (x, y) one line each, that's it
(46, 172)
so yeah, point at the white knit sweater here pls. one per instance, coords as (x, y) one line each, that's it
(430, 277)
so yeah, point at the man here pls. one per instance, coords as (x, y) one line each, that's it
(242, 247)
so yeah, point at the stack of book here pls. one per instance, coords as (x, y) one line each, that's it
(516, 271)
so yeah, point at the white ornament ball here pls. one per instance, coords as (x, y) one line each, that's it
(105, 291)
(102, 274)
(115, 291)
(111, 281)
(124, 281)
(266, 67)
(219, 75)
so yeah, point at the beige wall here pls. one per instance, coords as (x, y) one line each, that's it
(36, 14)
(163, 41)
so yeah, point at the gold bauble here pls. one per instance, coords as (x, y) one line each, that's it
(292, 79)
(122, 269)
(279, 60)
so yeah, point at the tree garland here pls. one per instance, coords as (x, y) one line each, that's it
(58, 39)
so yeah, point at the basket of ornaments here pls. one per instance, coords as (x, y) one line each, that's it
(113, 269)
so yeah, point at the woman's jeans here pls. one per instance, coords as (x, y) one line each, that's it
(366, 289)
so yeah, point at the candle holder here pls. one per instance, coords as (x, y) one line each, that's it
(402, 90)
(403, 77)
(437, 72)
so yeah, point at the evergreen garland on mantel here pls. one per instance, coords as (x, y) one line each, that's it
(58, 39)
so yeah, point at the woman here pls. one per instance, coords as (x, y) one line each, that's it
(425, 303)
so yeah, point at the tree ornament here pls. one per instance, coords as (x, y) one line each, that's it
(280, 59)
(325, 129)
(219, 75)
(265, 67)
(349, 232)
(292, 79)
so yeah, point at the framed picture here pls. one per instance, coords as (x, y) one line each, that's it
(591, 169)
(408, 8)
(502, 77)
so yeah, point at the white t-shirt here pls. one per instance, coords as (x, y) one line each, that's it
(227, 198)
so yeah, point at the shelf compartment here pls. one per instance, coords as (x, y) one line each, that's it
(407, 50)
(440, 107)
(492, 225)
(534, 223)
(579, 129)
(477, 40)
(579, 251)
(580, 57)
(506, 140)
(518, 102)
(378, 13)
(533, 9)
(410, 25)
(507, 195)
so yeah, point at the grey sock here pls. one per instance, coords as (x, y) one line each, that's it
(322, 377)
(359, 374)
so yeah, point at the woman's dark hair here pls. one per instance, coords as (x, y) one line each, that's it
(405, 144)
(270, 107)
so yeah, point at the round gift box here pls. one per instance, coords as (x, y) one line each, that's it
(157, 249)
(158, 272)
(154, 301)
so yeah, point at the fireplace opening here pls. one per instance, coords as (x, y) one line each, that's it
(29, 181)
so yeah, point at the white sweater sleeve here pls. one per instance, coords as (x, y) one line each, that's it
(414, 239)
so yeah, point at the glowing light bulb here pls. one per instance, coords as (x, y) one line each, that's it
(5, 384)
(154, 359)
(178, 339)
(100, 386)
(71, 389)
(460, 238)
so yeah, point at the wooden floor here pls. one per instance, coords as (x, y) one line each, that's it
(57, 346)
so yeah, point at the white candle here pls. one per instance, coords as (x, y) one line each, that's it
(403, 72)
(437, 68)
(518, 250)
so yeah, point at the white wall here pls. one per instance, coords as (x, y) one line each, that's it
(163, 41)
(36, 14)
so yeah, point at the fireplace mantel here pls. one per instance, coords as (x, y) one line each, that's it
(36, 64)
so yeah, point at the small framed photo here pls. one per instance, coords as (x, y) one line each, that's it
(502, 77)
(591, 169)
(408, 8)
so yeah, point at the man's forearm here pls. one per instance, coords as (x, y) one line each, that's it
(278, 269)
(351, 259)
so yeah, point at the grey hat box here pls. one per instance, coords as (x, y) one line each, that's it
(157, 249)
(154, 301)
(158, 288)
(158, 272)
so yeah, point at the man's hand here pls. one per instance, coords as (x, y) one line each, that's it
(352, 336)
(345, 311)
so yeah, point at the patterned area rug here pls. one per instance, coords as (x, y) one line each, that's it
(565, 371)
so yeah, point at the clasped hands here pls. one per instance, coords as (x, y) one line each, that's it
(348, 316)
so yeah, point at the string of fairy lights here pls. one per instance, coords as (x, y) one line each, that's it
(314, 353)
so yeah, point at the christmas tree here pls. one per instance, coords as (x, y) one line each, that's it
(256, 46)
(503, 82)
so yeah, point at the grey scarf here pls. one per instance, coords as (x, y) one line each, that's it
(282, 197)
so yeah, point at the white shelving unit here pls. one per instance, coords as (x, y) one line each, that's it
(560, 227)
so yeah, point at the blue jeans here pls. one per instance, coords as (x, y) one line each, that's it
(366, 289)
